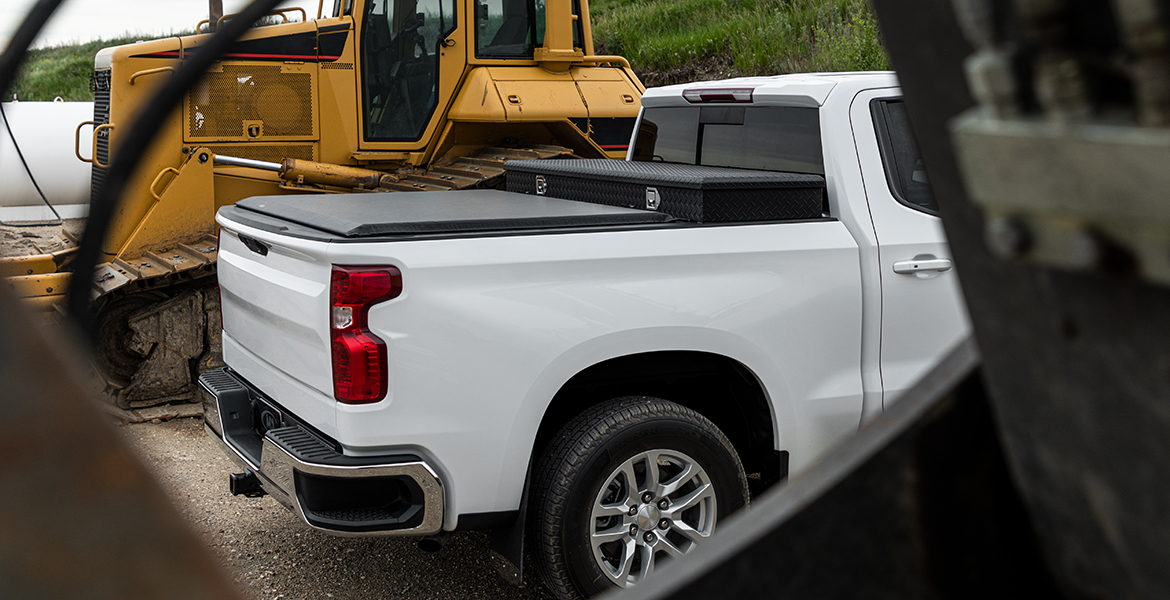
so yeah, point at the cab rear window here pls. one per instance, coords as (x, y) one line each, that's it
(770, 138)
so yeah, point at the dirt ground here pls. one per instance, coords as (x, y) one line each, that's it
(272, 554)
(22, 241)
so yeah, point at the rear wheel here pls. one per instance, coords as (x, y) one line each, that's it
(626, 486)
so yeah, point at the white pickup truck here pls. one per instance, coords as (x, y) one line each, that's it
(616, 380)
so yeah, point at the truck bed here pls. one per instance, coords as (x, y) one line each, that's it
(362, 216)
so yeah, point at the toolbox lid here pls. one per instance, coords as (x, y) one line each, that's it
(371, 214)
(667, 174)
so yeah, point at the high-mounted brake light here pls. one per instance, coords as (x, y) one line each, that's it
(734, 95)
(359, 356)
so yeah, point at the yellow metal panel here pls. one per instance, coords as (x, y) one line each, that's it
(126, 101)
(607, 92)
(478, 100)
(269, 152)
(519, 72)
(233, 185)
(534, 94)
(37, 264)
(600, 74)
(185, 211)
(43, 304)
(338, 99)
(28, 286)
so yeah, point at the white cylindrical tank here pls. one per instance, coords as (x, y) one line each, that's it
(45, 133)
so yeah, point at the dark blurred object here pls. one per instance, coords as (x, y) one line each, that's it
(1076, 359)
(80, 516)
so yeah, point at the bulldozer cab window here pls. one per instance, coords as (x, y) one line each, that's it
(342, 7)
(508, 28)
(400, 65)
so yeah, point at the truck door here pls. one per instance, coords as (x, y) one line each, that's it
(923, 313)
(406, 73)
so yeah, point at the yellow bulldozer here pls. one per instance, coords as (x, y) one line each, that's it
(379, 95)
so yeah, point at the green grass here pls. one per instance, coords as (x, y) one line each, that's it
(666, 41)
(755, 37)
(60, 71)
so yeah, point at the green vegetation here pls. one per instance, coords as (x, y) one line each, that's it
(60, 71)
(666, 41)
(745, 37)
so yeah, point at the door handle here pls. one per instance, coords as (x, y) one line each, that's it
(927, 262)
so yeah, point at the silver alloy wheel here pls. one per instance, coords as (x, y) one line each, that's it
(658, 503)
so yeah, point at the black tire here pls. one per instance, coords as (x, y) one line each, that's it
(590, 453)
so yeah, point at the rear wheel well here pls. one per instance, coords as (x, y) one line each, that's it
(717, 387)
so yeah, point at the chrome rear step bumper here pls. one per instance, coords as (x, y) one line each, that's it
(303, 470)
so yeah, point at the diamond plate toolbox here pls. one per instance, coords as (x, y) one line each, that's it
(690, 192)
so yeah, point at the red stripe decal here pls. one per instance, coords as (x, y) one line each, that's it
(615, 147)
(281, 56)
(175, 54)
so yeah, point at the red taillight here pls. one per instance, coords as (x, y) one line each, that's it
(733, 95)
(359, 356)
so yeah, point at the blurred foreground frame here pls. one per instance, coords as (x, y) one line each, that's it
(1051, 484)
(80, 515)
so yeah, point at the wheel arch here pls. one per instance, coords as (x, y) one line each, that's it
(556, 396)
(700, 380)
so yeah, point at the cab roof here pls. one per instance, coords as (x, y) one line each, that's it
(801, 89)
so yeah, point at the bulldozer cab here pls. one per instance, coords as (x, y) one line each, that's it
(413, 53)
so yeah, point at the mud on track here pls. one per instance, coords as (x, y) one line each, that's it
(22, 241)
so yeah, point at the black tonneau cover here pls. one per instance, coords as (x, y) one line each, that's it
(363, 215)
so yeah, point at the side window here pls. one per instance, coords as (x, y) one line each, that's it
(539, 22)
(504, 28)
(905, 170)
(577, 31)
(668, 135)
(437, 18)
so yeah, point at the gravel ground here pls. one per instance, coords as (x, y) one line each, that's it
(22, 241)
(272, 554)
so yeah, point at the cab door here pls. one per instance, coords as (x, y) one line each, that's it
(923, 313)
(411, 58)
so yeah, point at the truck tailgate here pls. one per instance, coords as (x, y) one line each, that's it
(274, 291)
